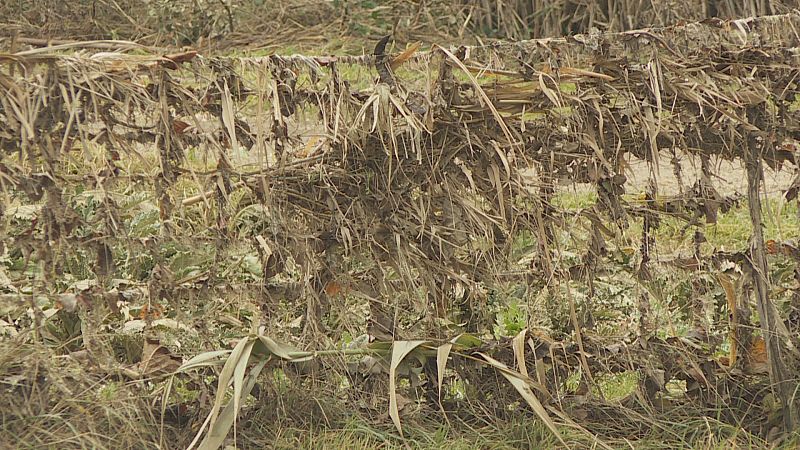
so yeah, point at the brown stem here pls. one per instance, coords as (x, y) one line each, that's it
(768, 315)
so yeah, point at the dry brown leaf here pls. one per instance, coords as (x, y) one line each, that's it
(157, 360)
(405, 56)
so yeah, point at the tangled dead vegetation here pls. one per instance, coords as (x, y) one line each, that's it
(403, 184)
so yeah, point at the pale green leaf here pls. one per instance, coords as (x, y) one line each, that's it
(204, 360)
(282, 351)
(466, 340)
(219, 431)
(226, 374)
(238, 374)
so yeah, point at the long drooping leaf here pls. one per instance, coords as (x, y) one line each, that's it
(521, 384)
(518, 344)
(466, 341)
(220, 429)
(228, 117)
(240, 352)
(282, 351)
(206, 359)
(400, 349)
(238, 376)
(442, 353)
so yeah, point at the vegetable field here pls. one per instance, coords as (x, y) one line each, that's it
(358, 224)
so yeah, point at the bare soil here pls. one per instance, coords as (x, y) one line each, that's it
(729, 176)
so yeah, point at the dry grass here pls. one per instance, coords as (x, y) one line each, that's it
(310, 25)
